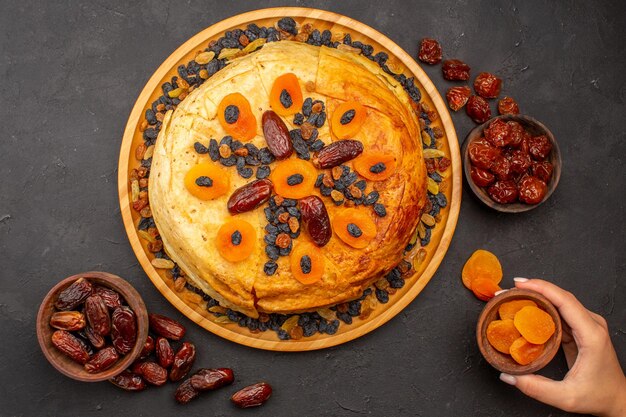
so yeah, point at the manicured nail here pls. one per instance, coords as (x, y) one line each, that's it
(500, 292)
(509, 379)
(519, 279)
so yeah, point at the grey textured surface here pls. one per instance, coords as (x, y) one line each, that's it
(71, 73)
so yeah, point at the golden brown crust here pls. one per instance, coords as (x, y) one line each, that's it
(188, 226)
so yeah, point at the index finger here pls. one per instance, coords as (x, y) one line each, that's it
(571, 310)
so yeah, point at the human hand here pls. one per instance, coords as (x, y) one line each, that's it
(595, 383)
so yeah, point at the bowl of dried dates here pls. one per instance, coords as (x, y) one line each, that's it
(512, 163)
(92, 326)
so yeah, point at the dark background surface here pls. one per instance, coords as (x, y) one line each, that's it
(71, 73)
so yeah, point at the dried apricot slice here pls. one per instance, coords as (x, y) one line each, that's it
(286, 95)
(207, 181)
(524, 352)
(375, 166)
(507, 310)
(347, 119)
(294, 178)
(355, 227)
(484, 288)
(235, 240)
(482, 264)
(501, 334)
(535, 325)
(236, 117)
(307, 263)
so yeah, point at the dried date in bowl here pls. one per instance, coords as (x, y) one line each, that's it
(534, 128)
(63, 363)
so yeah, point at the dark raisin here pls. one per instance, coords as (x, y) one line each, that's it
(318, 181)
(441, 200)
(307, 107)
(354, 230)
(305, 264)
(382, 296)
(271, 252)
(317, 146)
(298, 119)
(349, 178)
(270, 228)
(234, 145)
(380, 210)
(204, 181)
(312, 119)
(321, 119)
(245, 172)
(371, 198)
(241, 162)
(284, 251)
(360, 185)
(200, 148)
(270, 267)
(347, 117)
(214, 150)
(289, 202)
(226, 140)
(265, 156)
(325, 191)
(252, 161)
(288, 25)
(378, 168)
(295, 179)
(285, 99)
(263, 172)
(294, 212)
(235, 238)
(270, 239)
(229, 162)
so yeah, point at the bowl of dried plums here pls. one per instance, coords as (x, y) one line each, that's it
(92, 326)
(512, 163)
(519, 332)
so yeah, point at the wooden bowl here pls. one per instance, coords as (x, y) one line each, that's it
(63, 363)
(535, 128)
(503, 362)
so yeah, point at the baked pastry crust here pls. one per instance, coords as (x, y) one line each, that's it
(188, 226)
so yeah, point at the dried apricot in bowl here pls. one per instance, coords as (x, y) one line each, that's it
(286, 95)
(482, 264)
(236, 117)
(534, 324)
(501, 334)
(354, 227)
(207, 181)
(347, 119)
(375, 166)
(307, 263)
(507, 310)
(235, 240)
(294, 178)
(524, 352)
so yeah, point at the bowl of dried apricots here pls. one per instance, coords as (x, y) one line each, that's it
(519, 331)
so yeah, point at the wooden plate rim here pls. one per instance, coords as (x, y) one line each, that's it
(428, 88)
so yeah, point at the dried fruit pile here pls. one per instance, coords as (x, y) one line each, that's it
(522, 330)
(160, 361)
(486, 85)
(94, 326)
(286, 216)
(511, 164)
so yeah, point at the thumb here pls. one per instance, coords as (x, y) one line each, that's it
(554, 393)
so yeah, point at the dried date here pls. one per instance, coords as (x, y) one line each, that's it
(183, 361)
(185, 392)
(123, 329)
(457, 97)
(252, 396)
(71, 346)
(498, 133)
(96, 339)
(503, 192)
(455, 70)
(212, 379)
(531, 190)
(506, 105)
(111, 298)
(152, 373)
(74, 295)
(339, 152)
(102, 360)
(520, 161)
(487, 85)
(315, 220)
(478, 109)
(128, 381)
(148, 348)
(68, 320)
(98, 315)
(516, 133)
(501, 167)
(166, 327)
(542, 170)
(430, 51)
(539, 147)
(250, 196)
(482, 154)
(276, 135)
(482, 177)
(164, 352)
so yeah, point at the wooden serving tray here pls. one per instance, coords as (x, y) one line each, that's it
(190, 304)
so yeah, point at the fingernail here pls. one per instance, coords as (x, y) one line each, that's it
(500, 292)
(509, 379)
(519, 279)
